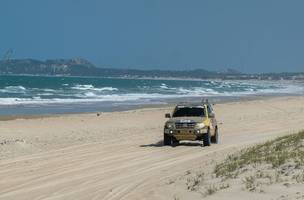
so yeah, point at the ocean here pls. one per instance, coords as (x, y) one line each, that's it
(25, 95)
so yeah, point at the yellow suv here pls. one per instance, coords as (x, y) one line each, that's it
(194, 122)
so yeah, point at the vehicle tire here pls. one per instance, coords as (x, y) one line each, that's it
(167, 139)
(174, 142)
(215, 138)
(207, 138)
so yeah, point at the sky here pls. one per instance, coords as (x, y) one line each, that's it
(247, 35)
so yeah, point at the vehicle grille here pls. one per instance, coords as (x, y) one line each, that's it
(179, 125)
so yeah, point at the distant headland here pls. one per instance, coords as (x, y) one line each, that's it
(82, 67)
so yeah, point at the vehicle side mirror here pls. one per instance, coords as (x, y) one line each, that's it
(211, 115)
(167, 115)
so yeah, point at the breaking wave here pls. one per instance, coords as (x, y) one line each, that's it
(91, 87)
(37, 90)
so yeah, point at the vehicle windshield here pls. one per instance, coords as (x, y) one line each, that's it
(189, 112)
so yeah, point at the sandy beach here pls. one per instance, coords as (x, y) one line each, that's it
(119, 155)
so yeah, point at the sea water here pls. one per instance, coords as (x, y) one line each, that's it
(53, 94)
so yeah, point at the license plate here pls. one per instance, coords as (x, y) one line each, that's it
(185, 121)
(184, 132)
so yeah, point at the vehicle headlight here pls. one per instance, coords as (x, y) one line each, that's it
(170, 125)
(199, 126)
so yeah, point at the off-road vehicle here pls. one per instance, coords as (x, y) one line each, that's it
(194, 122)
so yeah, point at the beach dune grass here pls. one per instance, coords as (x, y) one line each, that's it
(289, 148)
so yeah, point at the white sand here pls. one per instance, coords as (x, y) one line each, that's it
(120, 155)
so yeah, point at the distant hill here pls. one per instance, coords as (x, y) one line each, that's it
(82, 67)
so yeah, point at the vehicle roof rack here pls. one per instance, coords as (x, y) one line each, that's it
(195, 104)
(205, 101)
(183, 102)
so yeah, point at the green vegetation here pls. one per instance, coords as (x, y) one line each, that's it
(277, 152)
(255, 169)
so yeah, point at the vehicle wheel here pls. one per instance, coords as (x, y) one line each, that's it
(215, 138)
(167, 139)
(207, 138)
(174, 142)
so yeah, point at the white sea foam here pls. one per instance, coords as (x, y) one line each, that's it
(109, 98)
(88, 93)
(164, 86)
(106, 89)
(13, 89)
(197, 91)
(82, 87)
(45, 94)
(91, 87)
(49, 90)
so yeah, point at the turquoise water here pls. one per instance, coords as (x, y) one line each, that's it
(39, 91)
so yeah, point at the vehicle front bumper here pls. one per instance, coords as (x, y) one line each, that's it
(186, 134)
